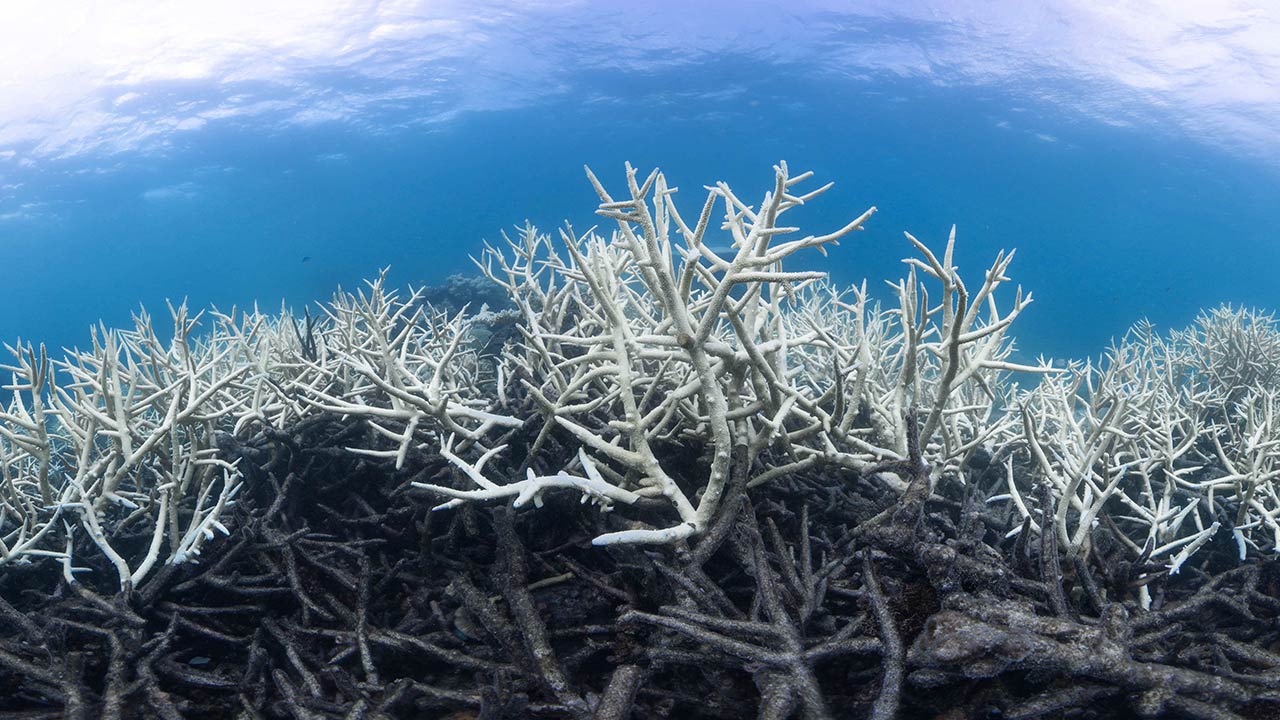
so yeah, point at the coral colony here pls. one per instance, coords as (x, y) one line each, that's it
(793, 501)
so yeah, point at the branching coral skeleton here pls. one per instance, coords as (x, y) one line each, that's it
(646, 359)
(635, 341)
(125, 441)
(1170, 439)
(651, 338)
(392, 360)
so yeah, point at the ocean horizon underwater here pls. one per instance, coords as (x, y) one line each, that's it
(1114, 219)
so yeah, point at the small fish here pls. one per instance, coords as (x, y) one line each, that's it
(306, 258)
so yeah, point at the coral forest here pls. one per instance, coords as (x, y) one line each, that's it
(667, 471)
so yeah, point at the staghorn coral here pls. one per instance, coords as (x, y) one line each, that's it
(131, 449)
(645, 359)
(1164, 442)
(650, 339)
(864, 515)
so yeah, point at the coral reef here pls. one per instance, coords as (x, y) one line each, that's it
(753, 495)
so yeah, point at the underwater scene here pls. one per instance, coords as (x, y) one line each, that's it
(624, 361)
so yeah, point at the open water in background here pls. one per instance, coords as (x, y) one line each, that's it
(1127, 158)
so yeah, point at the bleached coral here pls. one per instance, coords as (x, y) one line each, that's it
(653, 365)
(128, 449)
(651, 338)
(1167, 440)
(125, 442)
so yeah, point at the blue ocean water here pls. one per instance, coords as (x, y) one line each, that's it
(406, 134)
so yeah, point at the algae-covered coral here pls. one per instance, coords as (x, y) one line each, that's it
(818, 505)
